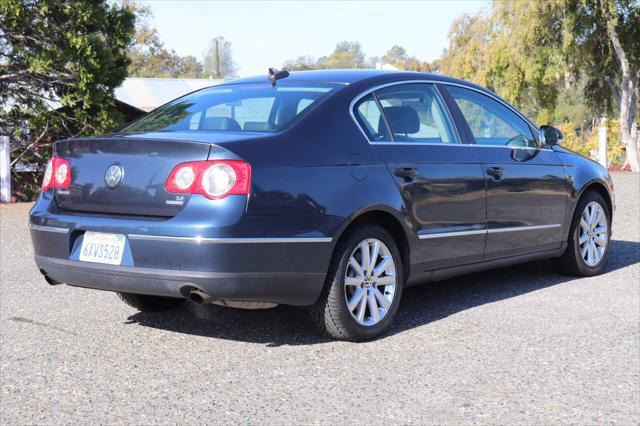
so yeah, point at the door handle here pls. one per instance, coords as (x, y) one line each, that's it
(495, 172)
(407, 173)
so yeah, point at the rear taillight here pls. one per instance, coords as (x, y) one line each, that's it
(214, 179)
(57, 174)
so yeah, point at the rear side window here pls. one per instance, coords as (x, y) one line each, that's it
(415, 114)
(239, 107)
(490, 121)
(371, 120)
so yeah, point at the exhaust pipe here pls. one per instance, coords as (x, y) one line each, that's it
(199, 297)
(48, 279)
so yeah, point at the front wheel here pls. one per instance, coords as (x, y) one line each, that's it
(363, 288)
(589, 235)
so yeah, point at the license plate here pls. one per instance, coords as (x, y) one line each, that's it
(102, 248)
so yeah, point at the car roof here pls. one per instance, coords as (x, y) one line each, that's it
(348, 76)
(371, 78)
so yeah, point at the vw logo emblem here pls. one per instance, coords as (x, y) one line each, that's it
(114, 176)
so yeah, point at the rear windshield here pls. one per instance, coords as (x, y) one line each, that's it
(234, 107)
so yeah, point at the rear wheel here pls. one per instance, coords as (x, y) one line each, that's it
(150, 303)
(588, 243)
(363, 287)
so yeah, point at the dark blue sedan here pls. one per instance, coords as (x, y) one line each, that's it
(332, 190)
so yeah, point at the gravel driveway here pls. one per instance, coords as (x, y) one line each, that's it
(516, 345)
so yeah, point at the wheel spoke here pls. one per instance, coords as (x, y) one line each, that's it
(354, 281)
(584, 225)
(374, 256)
(597, 255)
(592, 214)
(598, 216)
(373, 308)
(356, 266)
(361, 309)
(365, 255)
(600, 229)
(592, 253)
(601, 242)
(355, 299)
(381, 299)
(382, 266)
(386, 280)
(583, 238)
(584, 249)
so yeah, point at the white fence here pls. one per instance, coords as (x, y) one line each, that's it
(5, 170)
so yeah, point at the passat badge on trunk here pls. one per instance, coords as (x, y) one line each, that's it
(114, 176)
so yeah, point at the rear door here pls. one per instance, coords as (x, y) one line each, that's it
(440, 179)
(526, 185)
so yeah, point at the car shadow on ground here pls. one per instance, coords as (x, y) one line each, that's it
(422, 304)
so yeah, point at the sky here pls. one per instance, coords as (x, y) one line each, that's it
(265, 34)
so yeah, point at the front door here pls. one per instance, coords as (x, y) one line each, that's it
(441, 180)
(526, 184)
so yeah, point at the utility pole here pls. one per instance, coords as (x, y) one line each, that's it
(217, 58)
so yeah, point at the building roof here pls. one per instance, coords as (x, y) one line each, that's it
(146, 94)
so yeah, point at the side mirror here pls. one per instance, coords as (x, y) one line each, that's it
(552, 135)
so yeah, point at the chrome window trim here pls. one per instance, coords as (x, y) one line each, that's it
(207, 240)
(487, 231)
(49, 229)
(467, 145)
(444, 83)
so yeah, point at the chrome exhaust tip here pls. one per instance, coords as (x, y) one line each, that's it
(199, 297)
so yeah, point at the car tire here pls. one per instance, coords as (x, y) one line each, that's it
(150, 303)
(331, 312)
(574, 261)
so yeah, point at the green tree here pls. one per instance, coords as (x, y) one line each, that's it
(602, 38)
(59, 64)
(301, 63)
(149, 57)
(190, 67)
(218, 60)
(529, 52)
(396, 56)
(347, 54)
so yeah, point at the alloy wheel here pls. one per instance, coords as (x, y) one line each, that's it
(593, 234)
(370, 282)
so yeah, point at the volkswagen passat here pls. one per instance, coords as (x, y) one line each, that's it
(333, 190)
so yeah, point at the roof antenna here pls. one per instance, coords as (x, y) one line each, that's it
(275, 75)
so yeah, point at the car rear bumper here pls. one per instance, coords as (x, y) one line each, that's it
(262, 259)
(301, 288)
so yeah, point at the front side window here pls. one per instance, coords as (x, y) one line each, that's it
(415, 114)
(234, 107)
(491, 122)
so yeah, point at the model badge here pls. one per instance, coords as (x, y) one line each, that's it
(114, 176)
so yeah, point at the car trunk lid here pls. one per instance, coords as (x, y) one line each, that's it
(125, 175)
